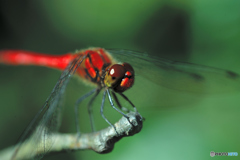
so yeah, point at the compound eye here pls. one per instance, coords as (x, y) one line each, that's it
(128, 67)
(117, 71)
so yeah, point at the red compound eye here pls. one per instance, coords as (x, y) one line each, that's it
(128, 67)
(117, 71)
(120, 77)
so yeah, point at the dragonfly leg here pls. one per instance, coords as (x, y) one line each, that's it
(111, 102)
(90, 112)
(77, 105)
(118, 103)
(135, 109)
(101, 111)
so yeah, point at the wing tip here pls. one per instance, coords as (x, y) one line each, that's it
(232, 75)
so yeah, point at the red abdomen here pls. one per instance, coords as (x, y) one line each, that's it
(21, 57)
(91, 68)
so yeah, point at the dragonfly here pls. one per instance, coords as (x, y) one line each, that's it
(114, 72)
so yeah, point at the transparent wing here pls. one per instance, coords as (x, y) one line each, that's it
(36, 139)
(179, 75)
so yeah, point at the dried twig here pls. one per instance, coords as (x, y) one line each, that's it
(102, 141)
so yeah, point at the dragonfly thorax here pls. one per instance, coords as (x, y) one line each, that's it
(119, 77)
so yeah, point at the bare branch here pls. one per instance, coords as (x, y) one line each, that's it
(102, 141)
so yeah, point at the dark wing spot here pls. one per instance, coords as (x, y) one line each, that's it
(197, 77)
(232, 75)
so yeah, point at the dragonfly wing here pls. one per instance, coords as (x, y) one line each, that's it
(36, 140)
(179, 75)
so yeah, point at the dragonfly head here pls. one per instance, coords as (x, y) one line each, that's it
(119, 77)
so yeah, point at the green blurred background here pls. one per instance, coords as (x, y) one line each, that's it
(199, 31)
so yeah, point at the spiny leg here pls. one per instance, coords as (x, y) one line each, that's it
(111, 102)
(135, 109)
(101, 111)
(118, 103)
(90, 109)
(76, 108)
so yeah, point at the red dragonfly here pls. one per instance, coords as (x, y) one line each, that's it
(97, 66)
